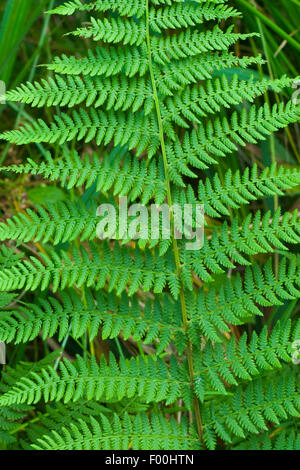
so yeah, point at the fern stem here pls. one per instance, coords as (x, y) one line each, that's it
(170, 203)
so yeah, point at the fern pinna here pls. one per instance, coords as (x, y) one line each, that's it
(201, 342)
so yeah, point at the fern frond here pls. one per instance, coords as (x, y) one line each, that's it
(10, 418)
(121, 268)
(178, 74)
(239, 189)
(170, 2)
(137, 433)
(150, 379)
(103, 61)
(117, 93)
(135, 130)
(260, 234)
(252, 407)
(68, 8)
(212, 312)
(147, 101)
(142, 377)
(119, 171)
(282, 438)
(157, 322)
(197, 102)
(122, 93)
(191, 43)
(240, 360)
(183, 15)
(217, 139)
(117, 30)
(66, 221)
(124, 8)
(63, 221)
(8, 259)
(107, 62)
(55, 417)
(172, 16)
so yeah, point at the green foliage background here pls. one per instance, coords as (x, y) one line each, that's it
(139, 389)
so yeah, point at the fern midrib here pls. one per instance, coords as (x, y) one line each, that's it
(170, 203)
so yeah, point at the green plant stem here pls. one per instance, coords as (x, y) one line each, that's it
(269, 23)
(272, 138)
(63, 345)
(170, 203)
(25, 425)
